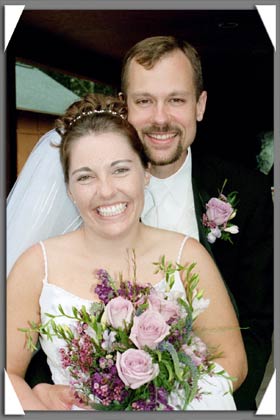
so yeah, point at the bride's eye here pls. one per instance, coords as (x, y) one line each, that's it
(84, 178)
(121, 171)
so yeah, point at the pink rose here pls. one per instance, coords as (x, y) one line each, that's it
(196, 359)
(198, 345)
(148, 329)
(135, 368)
(118, 311)
(167, 308)
(197, 350)
(218, 211)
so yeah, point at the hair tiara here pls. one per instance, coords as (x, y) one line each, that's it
(95, 111)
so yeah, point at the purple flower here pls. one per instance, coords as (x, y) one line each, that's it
(158, 399)
(104, 290)
(107, 386)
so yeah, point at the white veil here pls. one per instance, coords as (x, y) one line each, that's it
(38, 205)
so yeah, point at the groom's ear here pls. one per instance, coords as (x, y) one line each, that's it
(121, 97)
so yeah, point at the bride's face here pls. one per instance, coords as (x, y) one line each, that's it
(106, 182)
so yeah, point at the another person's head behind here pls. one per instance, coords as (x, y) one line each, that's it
(162, 84)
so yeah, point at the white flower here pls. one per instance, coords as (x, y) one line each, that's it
(177, 397)
(232, 229)
(90, 331)
(216, 232)
(199, 305)
(109, 339)
(174, 295)
(211, 238)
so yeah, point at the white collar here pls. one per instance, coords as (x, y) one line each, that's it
(184, 172)
(169, 197)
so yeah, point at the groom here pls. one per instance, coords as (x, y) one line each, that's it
(163, 87)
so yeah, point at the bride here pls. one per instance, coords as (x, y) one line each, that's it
(105, 171)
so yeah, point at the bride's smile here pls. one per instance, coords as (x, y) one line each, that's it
(111, 210)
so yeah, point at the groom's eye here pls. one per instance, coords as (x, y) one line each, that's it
(143, 101)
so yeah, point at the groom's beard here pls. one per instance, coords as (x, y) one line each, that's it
(171, 156)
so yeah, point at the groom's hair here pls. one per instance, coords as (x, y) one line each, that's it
(150, 50)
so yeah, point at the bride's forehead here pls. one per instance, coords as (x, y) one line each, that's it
(102, 148)
(101, 142)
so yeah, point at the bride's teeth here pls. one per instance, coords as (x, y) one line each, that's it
(112, 210)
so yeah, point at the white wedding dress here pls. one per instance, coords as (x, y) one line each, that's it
(216, 388)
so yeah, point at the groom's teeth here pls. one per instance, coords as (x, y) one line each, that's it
(163, 136)
(112, 210)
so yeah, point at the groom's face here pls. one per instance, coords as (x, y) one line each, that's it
(163, 107)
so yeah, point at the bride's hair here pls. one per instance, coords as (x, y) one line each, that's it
(95, 113)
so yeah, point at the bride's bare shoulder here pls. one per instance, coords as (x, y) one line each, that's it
(34, 255)
(166, 235)
(167, 239)
(30, 263)
(63, 240)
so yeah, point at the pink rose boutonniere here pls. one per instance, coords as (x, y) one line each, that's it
(217, 218)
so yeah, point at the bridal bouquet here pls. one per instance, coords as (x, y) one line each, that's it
(134, 349)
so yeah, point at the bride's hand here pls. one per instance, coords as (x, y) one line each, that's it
(55, 397)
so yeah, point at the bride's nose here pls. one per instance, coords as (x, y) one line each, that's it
(106, 187)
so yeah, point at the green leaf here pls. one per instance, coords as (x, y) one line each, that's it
(194, 375)
(50, 315)
(171, 350)
(169, 369)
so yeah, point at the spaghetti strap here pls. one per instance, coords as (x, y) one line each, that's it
(181, 249)
(45, 279)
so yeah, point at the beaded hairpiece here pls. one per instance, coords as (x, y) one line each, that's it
(95, 111)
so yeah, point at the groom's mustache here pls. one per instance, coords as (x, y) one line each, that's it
(165, 128)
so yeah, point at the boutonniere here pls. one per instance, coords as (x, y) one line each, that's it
(217, 218)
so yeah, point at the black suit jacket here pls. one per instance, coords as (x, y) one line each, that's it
(247, 264)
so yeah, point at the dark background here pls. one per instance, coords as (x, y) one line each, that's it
(237, 58)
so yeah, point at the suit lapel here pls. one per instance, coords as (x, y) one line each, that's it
(200, 199)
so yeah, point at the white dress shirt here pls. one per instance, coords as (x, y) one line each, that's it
(169, 202)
